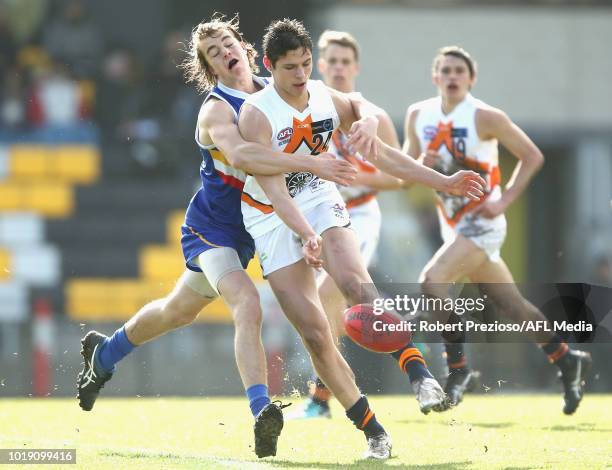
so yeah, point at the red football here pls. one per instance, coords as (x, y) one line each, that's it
(379, 333)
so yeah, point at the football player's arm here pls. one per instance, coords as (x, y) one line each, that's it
(463, 183)
(256, 128)
(358, 119)
(493, 123)
(216, 124)
(375, 178)
(412, 145)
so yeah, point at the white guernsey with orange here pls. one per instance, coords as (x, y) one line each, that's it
(295, 132)
(455, 138)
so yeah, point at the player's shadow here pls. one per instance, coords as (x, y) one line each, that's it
(588, 427)
(459, 424)
(372, 464)
(490, 425)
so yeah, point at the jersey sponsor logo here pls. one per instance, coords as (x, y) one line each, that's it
(459, 133)
(325, 125)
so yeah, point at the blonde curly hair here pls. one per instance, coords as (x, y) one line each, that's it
(195, 67)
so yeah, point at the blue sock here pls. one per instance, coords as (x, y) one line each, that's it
(258, 397)
(113, 350)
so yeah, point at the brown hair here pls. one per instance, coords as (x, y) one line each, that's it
(457, 52)
(341, 38)
(195, 67)
(283, 36)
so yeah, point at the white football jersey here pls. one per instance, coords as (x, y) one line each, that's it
(455, 138)
(308, 132)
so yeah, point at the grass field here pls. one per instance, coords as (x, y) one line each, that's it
(510, 432)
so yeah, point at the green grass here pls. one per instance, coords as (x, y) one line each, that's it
(510, 432)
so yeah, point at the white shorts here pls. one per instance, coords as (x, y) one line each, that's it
(215, 264)
(487, 234)
(281, 247)
(366, 222)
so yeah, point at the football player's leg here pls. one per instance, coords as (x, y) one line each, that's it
(180, 308)
(303, 309)
(242, 298)
(497, 283)
(317, 405)
(365, 222)
(224, 268)
(100, 353)
(344, 264)
(333, 303)
(454, 260)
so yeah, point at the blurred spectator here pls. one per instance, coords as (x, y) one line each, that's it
(55, 99)
(175, 103)
(125, 113)
(122, 94)
(13, 100)
(74, 40)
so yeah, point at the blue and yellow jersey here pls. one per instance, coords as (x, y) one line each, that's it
(213, 218)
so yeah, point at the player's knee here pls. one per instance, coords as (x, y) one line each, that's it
(247, 312)
(317, 337)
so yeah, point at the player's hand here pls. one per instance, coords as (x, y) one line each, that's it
(430, 159)
(490, 209)
(326, 166)
(467, 184)
(312, 251)
(362, 137)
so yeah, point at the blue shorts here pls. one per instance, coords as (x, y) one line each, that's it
(194, 242)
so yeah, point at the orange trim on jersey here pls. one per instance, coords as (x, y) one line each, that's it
(218, 155)
(265, 208)
(444, 136)
(495, 175)
(494, 180)
(360, 200)
(202, 238)
(343, 150)
(302, 130)
(452, 221)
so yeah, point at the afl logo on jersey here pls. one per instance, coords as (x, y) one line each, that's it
(430, 132)
(285, 133)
